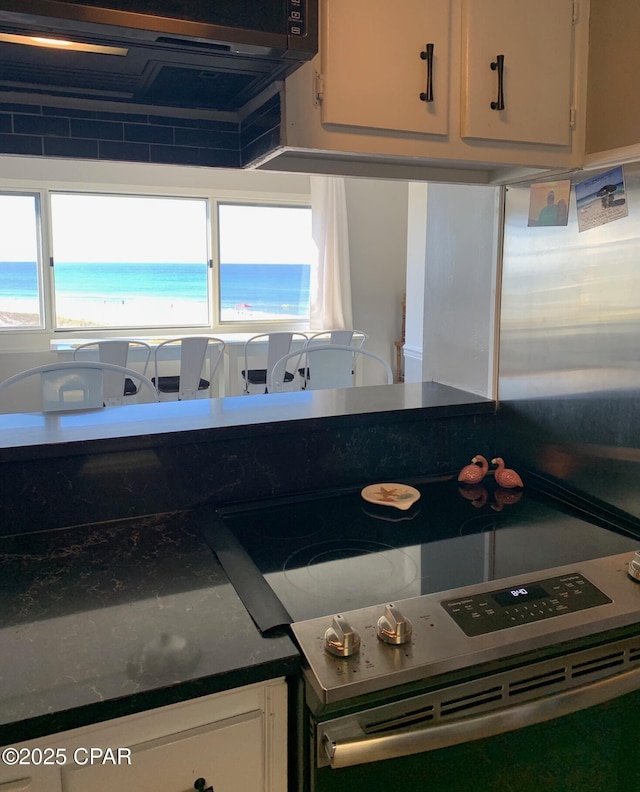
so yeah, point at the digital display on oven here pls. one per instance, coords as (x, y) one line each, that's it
(519, 594)
(523, 604)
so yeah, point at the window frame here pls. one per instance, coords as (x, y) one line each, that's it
(129, 328)
(269, 324)
(213, 198)
(40, 264)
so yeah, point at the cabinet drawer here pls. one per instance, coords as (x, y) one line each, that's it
(229, 755)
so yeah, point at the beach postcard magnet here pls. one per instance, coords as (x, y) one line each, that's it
(601, 199)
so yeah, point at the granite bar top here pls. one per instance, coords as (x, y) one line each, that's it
(103, 620)
(28, 435)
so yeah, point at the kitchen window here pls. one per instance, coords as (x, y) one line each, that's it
(88, 260)
(265, 255)
(20, 273)
(129, 261)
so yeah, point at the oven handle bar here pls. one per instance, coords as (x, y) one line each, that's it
(357, 748)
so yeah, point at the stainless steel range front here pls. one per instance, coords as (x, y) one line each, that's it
(391, 644)
(498, 637)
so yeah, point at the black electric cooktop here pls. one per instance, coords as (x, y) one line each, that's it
(333, 553)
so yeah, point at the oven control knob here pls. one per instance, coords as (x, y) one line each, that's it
(634, 567)
(393, 628)
(341, 639)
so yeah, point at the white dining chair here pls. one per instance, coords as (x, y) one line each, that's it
(117, 351)
(345, 337)
(332, 366)
(268, 348)
(81, 385)
(184, 368)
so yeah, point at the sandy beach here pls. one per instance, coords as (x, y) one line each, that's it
(138, 312)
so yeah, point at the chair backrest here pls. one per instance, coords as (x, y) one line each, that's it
(114, 351)
(192, 354)
(80, 385)
(278, 344)
(354, 338)
(331, 366)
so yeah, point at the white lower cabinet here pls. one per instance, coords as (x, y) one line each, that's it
(27, 778)
(234, 741)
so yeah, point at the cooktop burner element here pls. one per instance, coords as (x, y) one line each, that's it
(326, 565)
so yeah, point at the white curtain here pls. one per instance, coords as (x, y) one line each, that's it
(331, 273)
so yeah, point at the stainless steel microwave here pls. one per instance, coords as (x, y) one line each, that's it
(229, 49)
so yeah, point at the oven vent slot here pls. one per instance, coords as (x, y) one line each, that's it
(412, 718)
(634, 655)
(539, 681)
(597, 664)
(480, 699)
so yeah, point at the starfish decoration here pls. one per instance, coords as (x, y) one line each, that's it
(387, 494)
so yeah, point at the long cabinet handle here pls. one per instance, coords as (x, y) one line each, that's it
(427, 54)
(347, 752)
(498, 64)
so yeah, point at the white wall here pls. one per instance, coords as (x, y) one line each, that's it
(451, 285)
(377, 213)
(417, 216)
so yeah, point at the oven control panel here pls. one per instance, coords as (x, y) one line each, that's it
(508, 607)
(370, 649)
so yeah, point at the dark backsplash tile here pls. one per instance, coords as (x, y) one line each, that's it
(207, 137)
(53, 131)
(144, 133)
(68, 147)
(124, 152)
(30, 145)
(97, 130)
(40, 125)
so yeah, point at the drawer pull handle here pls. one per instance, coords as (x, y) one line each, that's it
(427, 54)
(200, 785)
(498, 64)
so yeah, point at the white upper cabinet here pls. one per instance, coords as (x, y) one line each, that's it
(360, 107)
(517, 70)
(386, 65)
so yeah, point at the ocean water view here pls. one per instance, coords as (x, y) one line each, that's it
(121, 294)
(278, 289)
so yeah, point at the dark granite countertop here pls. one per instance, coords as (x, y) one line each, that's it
(26, 436)
(103, 620)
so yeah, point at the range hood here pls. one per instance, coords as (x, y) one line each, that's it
(201, 54)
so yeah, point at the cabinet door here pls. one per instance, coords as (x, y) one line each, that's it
(228, 755)
(29, 779)
(372, 69)
(535, 38)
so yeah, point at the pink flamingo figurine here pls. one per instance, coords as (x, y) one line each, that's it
(475, 472)
(505, 477)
